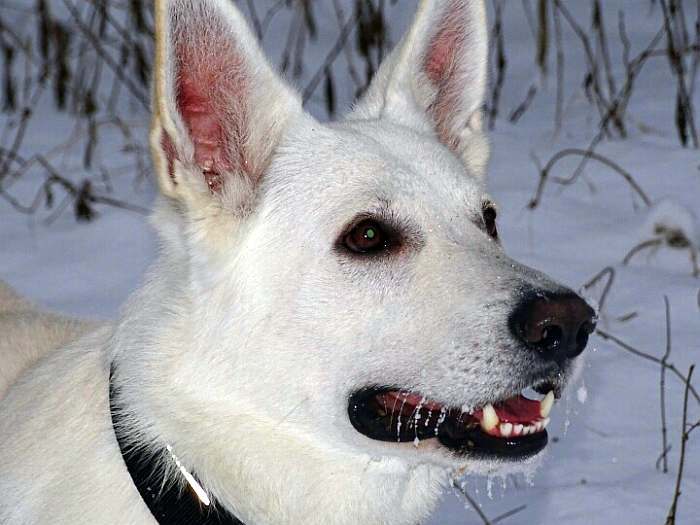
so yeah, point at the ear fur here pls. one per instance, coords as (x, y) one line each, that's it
(219, 110)
(436, 77)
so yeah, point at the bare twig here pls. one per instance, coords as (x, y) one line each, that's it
(7, 156)
(337, 48)
(599, 28)
(77, 193)
(352, 69)
(527, 9)
(542, 35)
(651, 243)
(270, 14)
(694, 260)
(137, 93)
(559, 108)
(671, 518)
(257, 25)
(693, 426)
(610, 272)
(500, 60)
(473, 504)
(520, 110)
(662, 456)
(593, 76)
(662, 387)
(627, 317)
(685, 119)
(618, 106)
(587, 154)
(508, 514)
(627, 347)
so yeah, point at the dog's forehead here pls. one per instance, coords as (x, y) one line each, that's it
(419, 155)
(361, 162)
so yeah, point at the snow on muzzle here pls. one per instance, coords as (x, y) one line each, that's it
(511, 428)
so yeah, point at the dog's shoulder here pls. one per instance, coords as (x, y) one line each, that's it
(28, 334)
(58, 453)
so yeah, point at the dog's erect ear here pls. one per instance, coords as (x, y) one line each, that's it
(438, 70)
(219, 109)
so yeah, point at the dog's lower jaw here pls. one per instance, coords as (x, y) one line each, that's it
(273, 480)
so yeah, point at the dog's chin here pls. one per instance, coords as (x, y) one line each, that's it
(509, 429)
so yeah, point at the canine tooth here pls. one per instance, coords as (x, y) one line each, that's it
(538, 426)
(489, 419)
(546, 404)
(517, 430)
(545, 422)
(506, 429)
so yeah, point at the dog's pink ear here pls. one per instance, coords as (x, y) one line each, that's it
(438, 71)
(219, 108)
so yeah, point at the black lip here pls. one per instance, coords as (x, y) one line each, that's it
(476, 443)
(463, 437)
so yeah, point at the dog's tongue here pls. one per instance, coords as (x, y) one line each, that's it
(407, 402)
(518, 409)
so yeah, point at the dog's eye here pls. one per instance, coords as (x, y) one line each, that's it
(367, 237)
(490, 221)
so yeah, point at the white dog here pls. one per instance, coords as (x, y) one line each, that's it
(332, 328)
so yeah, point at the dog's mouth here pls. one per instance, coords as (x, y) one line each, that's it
(512, 428)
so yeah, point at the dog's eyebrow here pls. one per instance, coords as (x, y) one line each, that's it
(385, 206)
(378, 207)
(383, 209)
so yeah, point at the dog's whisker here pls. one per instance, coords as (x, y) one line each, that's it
(289, 414)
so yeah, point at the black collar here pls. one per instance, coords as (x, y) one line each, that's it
(168, 504)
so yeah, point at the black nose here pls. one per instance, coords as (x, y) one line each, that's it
(557, 326)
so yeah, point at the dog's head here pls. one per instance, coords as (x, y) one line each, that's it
(348, 301)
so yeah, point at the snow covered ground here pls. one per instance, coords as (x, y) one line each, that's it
(606, 436)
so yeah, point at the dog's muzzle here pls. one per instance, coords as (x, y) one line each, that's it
(554, 326)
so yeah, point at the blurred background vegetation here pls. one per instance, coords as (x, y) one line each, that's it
(87, 65)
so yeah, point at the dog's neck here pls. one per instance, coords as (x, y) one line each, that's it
(168, 504)
(267, 471)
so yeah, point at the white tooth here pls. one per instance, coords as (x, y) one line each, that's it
(517, 430)
(528, 430)
(489, 420)
(538, 426)
(546, 404)
(545, 422)
(506, 429)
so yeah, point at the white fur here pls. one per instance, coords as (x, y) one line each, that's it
(252, 330)
(28, 334)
